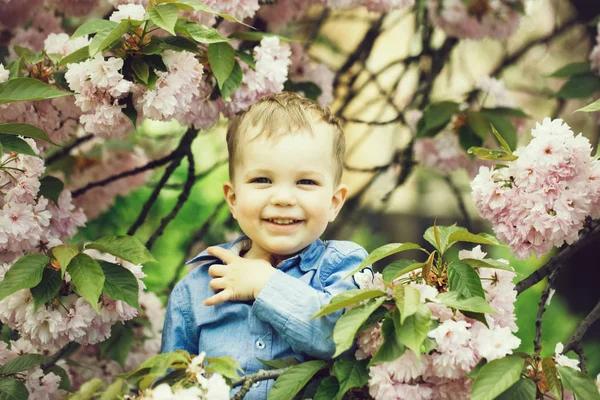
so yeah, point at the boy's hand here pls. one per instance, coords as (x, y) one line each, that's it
(241, 279)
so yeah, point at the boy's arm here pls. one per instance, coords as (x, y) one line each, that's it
(287, 304)
(179, 331)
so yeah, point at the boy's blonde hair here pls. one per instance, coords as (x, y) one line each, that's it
(281, 114)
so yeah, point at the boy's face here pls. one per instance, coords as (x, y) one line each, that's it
(283, 193)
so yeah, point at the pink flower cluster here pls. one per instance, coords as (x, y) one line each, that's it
(32, 37)
(146, 345)
(542, 199)
(475, 19)
(372, 5)
(272, 62)
(99, 86)
(442, 152)
(460, 342)
(302, 70)
(28, 223)
(39, 385)
(73, 320)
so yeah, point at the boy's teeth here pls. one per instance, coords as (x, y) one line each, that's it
(283, 221)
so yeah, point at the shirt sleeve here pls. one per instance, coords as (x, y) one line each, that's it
(179, 330)
(287, 304)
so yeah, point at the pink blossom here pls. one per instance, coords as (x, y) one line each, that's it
(368, 341)
(303, 69)
(128, 11)
(59, 43)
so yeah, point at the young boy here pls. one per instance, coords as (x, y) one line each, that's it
(252, 298)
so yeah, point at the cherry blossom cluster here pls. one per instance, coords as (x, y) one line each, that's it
(302, 70)
(30, 223)
(70, 319)
(542, 199)
(213, 387)
(460, 342)
(39, 385)
(272, 62)
(476, 19)
(147, 344)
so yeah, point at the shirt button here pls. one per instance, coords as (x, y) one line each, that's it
(260, 344)
(256, 384)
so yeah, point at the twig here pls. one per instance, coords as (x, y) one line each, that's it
(64, 351)
(461, 202)
(541, 309)
(371, 169)
(179, 153)
(247, 381)
(585, 238)
(198, 177)
(189, 183)
(575, 340)
(66, 150)
(399, 118)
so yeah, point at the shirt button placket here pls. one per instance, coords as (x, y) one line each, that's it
(260, 344)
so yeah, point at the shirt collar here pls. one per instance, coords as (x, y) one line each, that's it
(304, 259)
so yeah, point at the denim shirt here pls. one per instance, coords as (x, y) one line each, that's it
(275, 325)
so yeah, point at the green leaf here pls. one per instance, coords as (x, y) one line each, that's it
(448, 235)
(203, 34)
(50, 188)
(496, 376)
(479, 124)
(374, 318)
(551, 377)
(291, 381)
(107, 37)
(280, 363)
(468, 138)
(65, 381)
(88, 278)
(576, 68)
(12, 389)
(26, 89)
(15, 68)
(383, 252)
(407, 299)
(247, 58)
(141, 70)
(523, 389)
(178, 43)
(579, 383)
(225, 366)
(120, 283)
(464, 280)
(487, 263)
(595, 106)
(505, 130)
(115, 390)
(47, 289)
(94, 26)
(506, 112)
(435, 117)
(328, 388)
(414, 330)
(391, 348)
(222, 59)
(199, 6)
(257, 36)
(119, 344)
(23, 363)
(233, 82)
(25, 273)
(16, 144)
(398, 268)
(159, 364)
(77, 56)
(473, 304)
(476, 316)
(350, 373)
(346, 327)
(88, 389)
(164, 16)
(19, 129)
(582, 85)
(488, 154)
(64, 254)
(309, 89)
(126, 247)
(346, 299)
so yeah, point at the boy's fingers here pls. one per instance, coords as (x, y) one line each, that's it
(216, 271)
(217, 284)
(217, 298)
(226, 255)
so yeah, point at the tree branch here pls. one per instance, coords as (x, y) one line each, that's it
(66, 350)
(247, 381)
(178, 154)
(189, 183)
(66, 150)
(586, 237)
(541, 309)
(574, 342)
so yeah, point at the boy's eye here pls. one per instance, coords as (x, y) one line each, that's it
(260, 180)
(306, 182)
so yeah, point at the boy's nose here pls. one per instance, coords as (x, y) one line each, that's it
(283, 197)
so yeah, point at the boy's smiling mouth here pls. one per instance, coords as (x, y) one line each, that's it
(283, 221)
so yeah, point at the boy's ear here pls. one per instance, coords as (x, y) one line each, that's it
(229, 194)
(337, 201)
